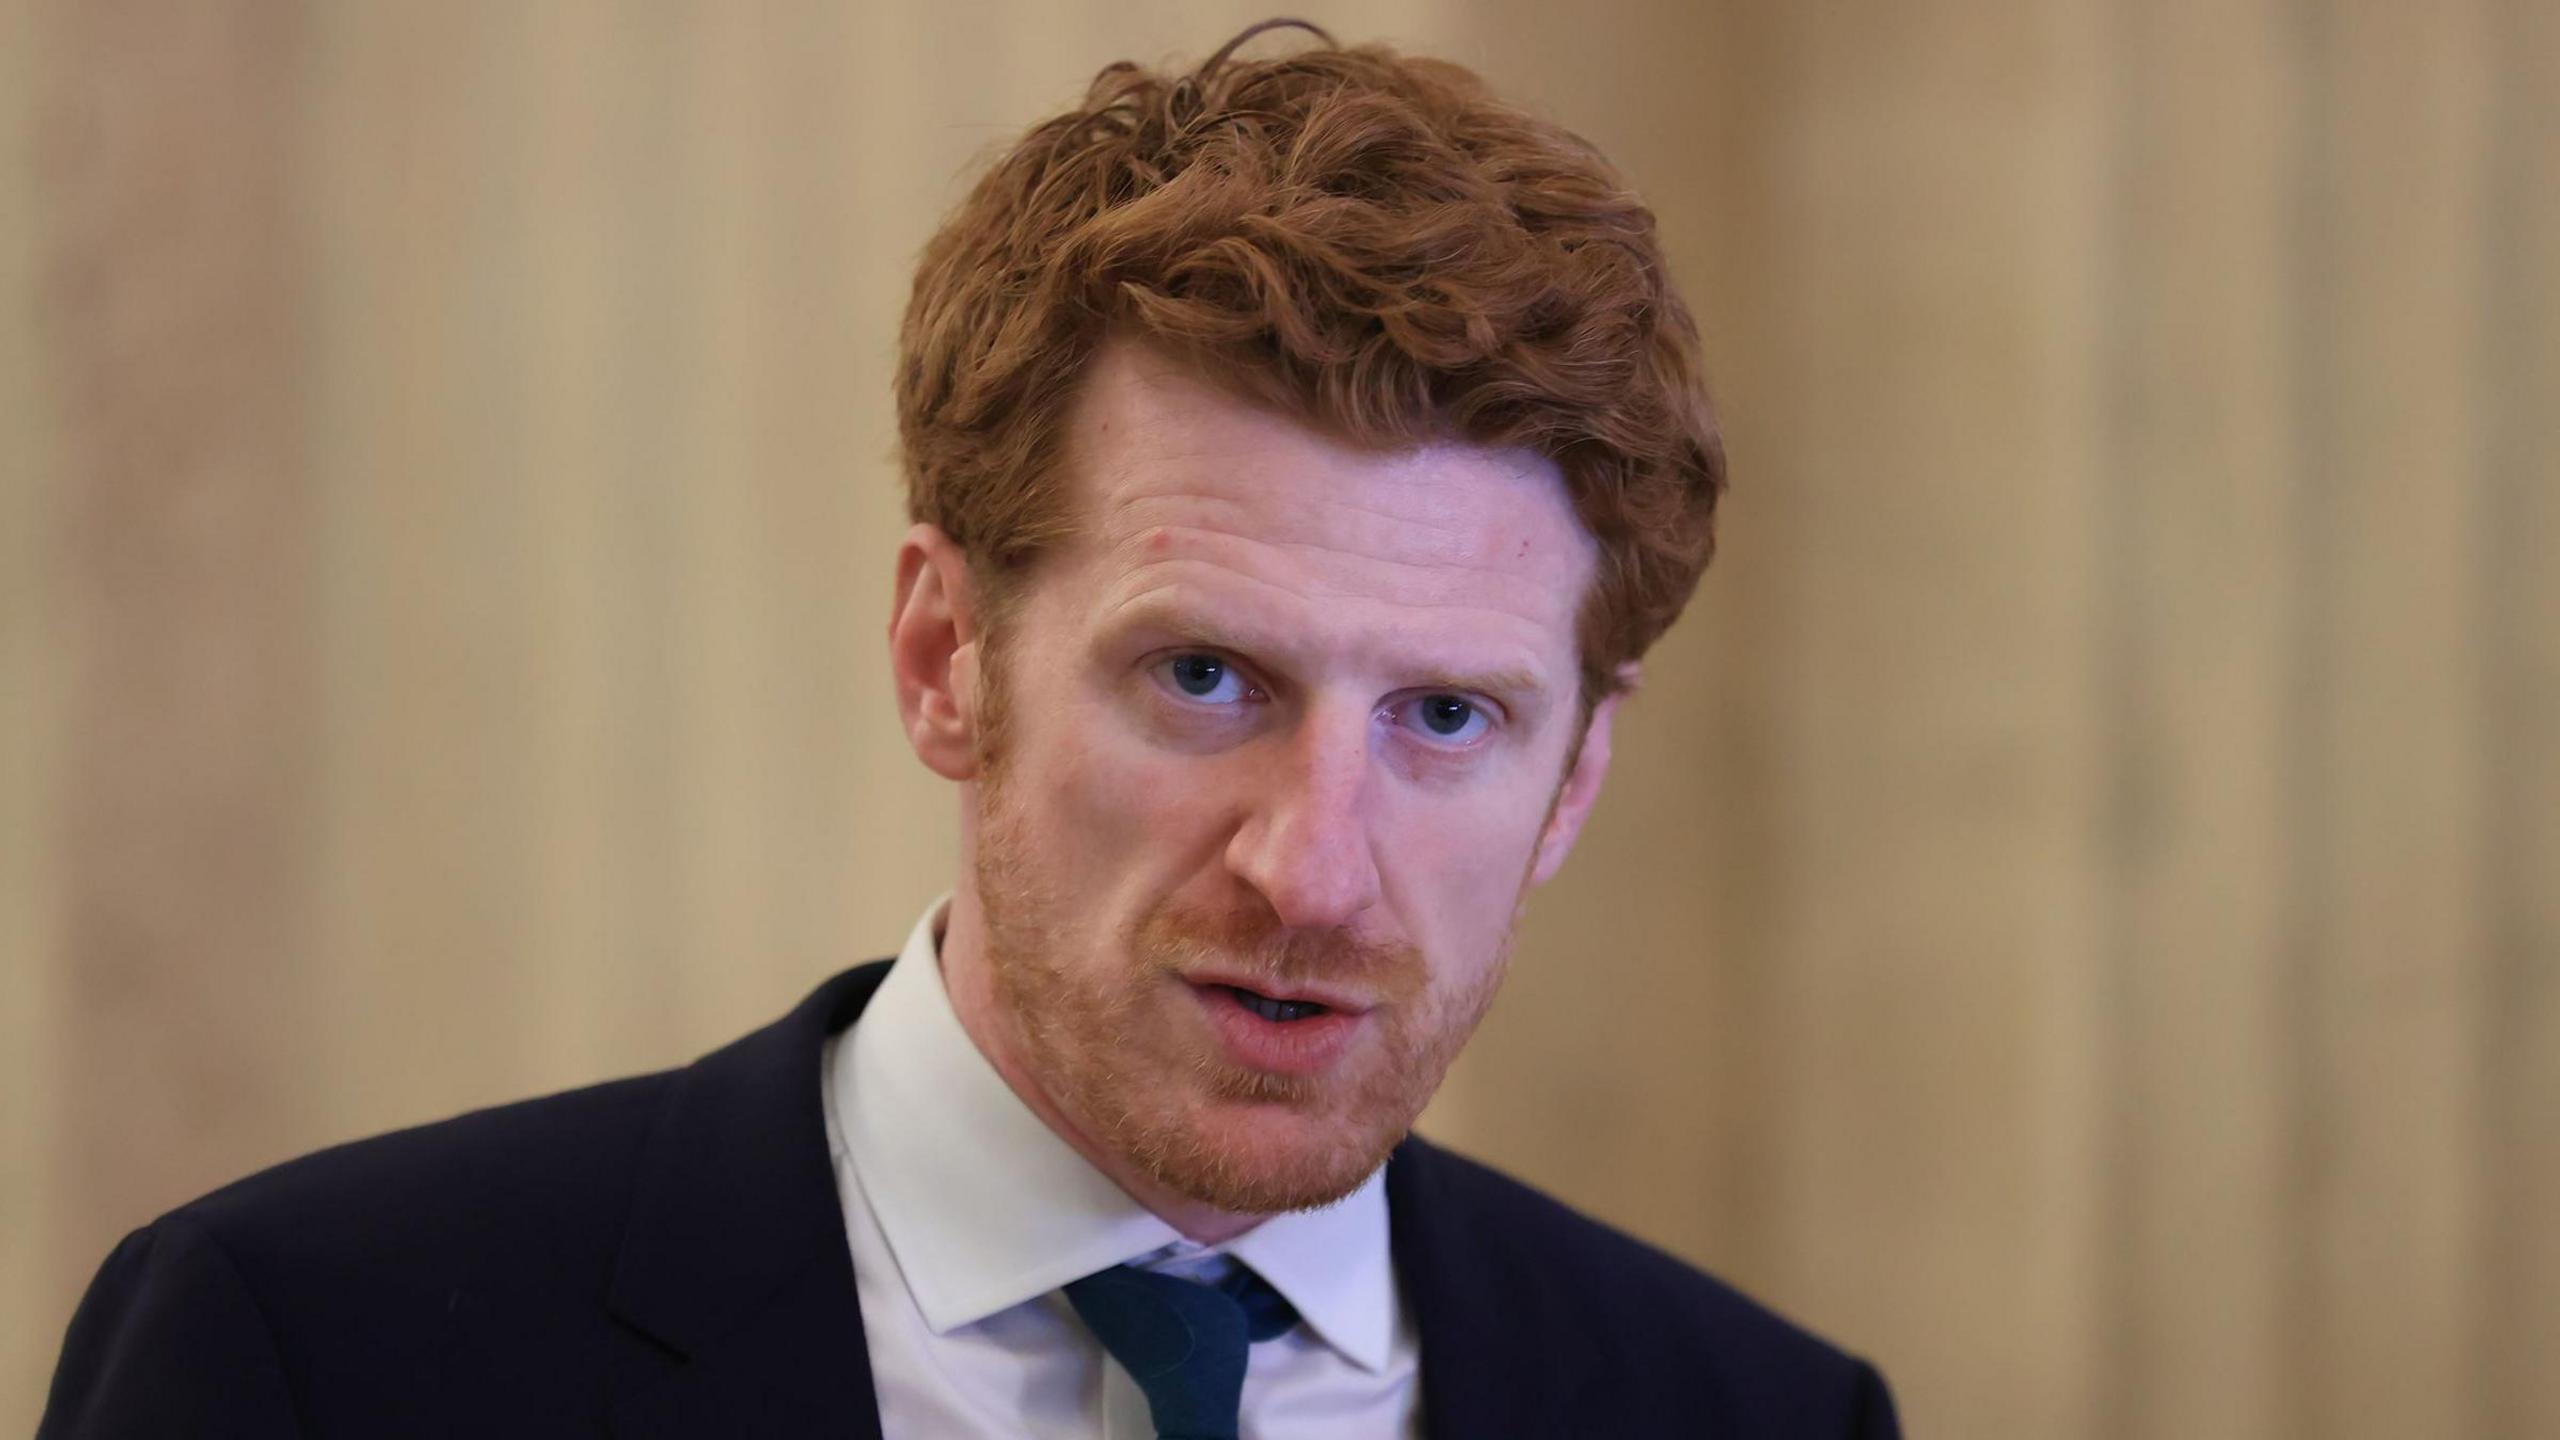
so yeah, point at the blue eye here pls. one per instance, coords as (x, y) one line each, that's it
(1447, 719)
(1205, 678)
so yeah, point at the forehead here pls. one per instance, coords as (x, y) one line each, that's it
(1187, 494)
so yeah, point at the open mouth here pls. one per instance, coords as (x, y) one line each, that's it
(1270, 1009)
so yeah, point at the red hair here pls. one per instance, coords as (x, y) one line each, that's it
(1369, 241)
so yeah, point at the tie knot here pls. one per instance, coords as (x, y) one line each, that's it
(1183, 1342)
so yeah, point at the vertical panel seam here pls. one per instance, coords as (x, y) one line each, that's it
(2116, 677)
(2307, 690)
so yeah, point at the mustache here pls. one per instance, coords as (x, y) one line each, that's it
(1258, 945)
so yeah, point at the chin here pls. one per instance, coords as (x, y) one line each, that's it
(1260, 1156)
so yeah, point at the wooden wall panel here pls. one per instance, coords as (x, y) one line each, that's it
(435, 897)
(1923, 189)
(2202, 484)
(2392, 840)
(2521, 597)
(29, 730)
(173, 530)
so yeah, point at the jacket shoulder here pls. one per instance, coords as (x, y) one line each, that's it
(1646, 1319)
(545, 1180)
(475, 1276)
(348, 1290)
(533, 1174)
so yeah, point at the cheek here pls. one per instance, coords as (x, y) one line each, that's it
(1463, 867)
(1123, 801)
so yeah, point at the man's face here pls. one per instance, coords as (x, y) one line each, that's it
(1283, 743)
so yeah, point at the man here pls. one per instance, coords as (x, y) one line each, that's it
(1302, 453)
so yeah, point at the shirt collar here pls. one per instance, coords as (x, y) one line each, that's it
(984, 1207)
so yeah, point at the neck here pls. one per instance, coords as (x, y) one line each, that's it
(970, 981)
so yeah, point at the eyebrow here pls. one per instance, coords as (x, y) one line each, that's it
(1519, 689)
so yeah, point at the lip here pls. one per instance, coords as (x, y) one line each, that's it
(1277, 1047)
(1339, 1001)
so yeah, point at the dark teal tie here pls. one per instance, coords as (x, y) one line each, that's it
(1182, 1341)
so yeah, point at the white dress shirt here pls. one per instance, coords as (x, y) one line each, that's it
(966, 1214)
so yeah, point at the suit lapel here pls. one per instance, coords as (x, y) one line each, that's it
(1493, 1361)
(735, 1261)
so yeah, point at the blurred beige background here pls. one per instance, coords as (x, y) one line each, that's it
(2078, 916)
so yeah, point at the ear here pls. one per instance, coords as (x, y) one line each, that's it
(1582, 787)
(933, 652)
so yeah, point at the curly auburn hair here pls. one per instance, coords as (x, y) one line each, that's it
(1368, 241)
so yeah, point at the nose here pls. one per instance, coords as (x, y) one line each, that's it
(1305, 844)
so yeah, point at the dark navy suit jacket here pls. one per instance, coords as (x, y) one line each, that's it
(666, 1256)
